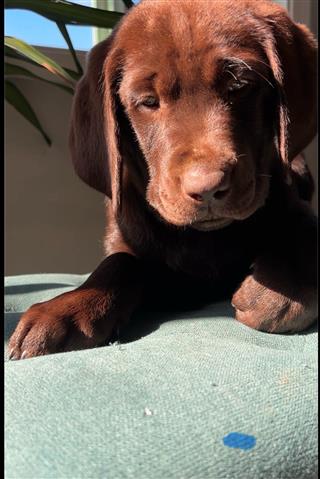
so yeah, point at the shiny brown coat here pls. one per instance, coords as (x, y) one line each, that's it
(191, 119)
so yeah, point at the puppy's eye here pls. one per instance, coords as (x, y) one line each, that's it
(238, 85)
(150, 102)
(238, 90)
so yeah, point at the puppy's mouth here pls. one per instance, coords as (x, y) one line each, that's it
(179, 213)
(249, 205)
(211, 224)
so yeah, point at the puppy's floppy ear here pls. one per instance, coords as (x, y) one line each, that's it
(90, 130)
(292, 53)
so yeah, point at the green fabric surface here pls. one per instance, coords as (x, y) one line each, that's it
(158, 406)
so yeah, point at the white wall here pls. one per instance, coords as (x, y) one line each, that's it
(54, 222)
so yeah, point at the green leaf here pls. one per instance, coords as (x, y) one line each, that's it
(38, 57)
(75, 75)
(16, 70)
(21, 104)
(128, 3)
(10, 53)
(68, 13)
(67, 38)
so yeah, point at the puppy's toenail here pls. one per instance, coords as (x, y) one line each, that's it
(11, 354)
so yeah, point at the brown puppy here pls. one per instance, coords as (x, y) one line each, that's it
(190, 118)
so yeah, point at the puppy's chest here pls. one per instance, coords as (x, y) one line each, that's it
(218, 256)
(218, 259)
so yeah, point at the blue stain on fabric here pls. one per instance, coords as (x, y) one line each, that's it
(239, 440)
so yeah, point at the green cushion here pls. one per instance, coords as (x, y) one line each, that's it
(163, 405)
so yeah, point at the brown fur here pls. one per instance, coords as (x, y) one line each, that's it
(191, 119)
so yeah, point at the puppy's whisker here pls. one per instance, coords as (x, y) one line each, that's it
(239, 60)
(267, 176)
(264, 78)
(232, 74)
(264, 63)
(250, 68)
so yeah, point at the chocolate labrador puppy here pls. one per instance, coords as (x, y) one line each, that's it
(191, 119)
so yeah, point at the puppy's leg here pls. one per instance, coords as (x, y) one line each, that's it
(281, 293)
(85, 317)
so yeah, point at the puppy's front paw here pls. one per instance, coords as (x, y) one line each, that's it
(268, 310)
(74, 320)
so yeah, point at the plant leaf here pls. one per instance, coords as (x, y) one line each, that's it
(16, 70)
(38, 57)
(67, 12)
(128, 3)
(21, 104)
(10, 53)
(66, 36)
(75, 75)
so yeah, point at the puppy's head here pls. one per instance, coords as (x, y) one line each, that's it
(196, 104)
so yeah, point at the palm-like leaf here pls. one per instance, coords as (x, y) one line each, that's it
(39, 58)
(65, 34)
(62, 12)
(68, 13)
(15, 55)
(11, 70)
(21, 104)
